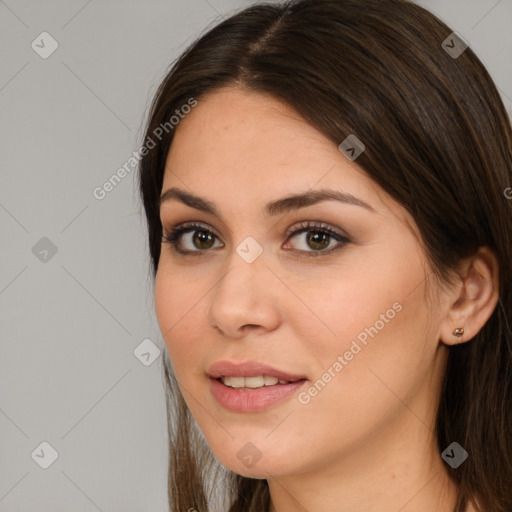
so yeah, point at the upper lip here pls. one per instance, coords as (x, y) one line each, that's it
(249, 369)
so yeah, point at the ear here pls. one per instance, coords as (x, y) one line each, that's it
(472, 300)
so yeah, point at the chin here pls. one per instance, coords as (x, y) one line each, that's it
(262, 469)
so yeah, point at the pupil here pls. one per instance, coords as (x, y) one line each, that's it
(202, 237)
(315, 238)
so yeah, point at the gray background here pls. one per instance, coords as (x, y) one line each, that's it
(70, 321)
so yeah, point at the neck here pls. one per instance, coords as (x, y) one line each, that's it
(391, 472)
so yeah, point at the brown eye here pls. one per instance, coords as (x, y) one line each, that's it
(315, 239)
(203, 239)
(191, 239)
(318, 240)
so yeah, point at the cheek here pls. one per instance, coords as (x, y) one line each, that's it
(177, 306)
(166, 304)
(353, 306)
(373, 340)
(372, 319)
(368, 289)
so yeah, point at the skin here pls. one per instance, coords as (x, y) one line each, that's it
(366, 441)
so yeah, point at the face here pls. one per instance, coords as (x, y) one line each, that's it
(329, 290)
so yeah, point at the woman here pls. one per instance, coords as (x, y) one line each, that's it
(331, 247)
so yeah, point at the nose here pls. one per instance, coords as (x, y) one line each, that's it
(245, 299)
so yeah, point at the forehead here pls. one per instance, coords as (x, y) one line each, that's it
(234, 123)
(243, 149)
(249, 137)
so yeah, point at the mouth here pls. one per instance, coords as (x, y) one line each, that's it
(252, 386)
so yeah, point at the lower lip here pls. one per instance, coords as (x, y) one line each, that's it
(254, 400)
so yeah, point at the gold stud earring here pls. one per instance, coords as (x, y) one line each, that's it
(458, 332)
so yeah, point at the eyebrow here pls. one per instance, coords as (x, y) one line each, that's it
(279, 206)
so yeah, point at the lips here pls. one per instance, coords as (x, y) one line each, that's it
(253, 400)
(250, 369)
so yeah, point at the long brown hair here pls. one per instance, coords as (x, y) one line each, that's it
(438, 140)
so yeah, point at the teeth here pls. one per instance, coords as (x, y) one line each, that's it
(252, 382)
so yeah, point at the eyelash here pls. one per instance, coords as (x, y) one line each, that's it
(173, 237)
